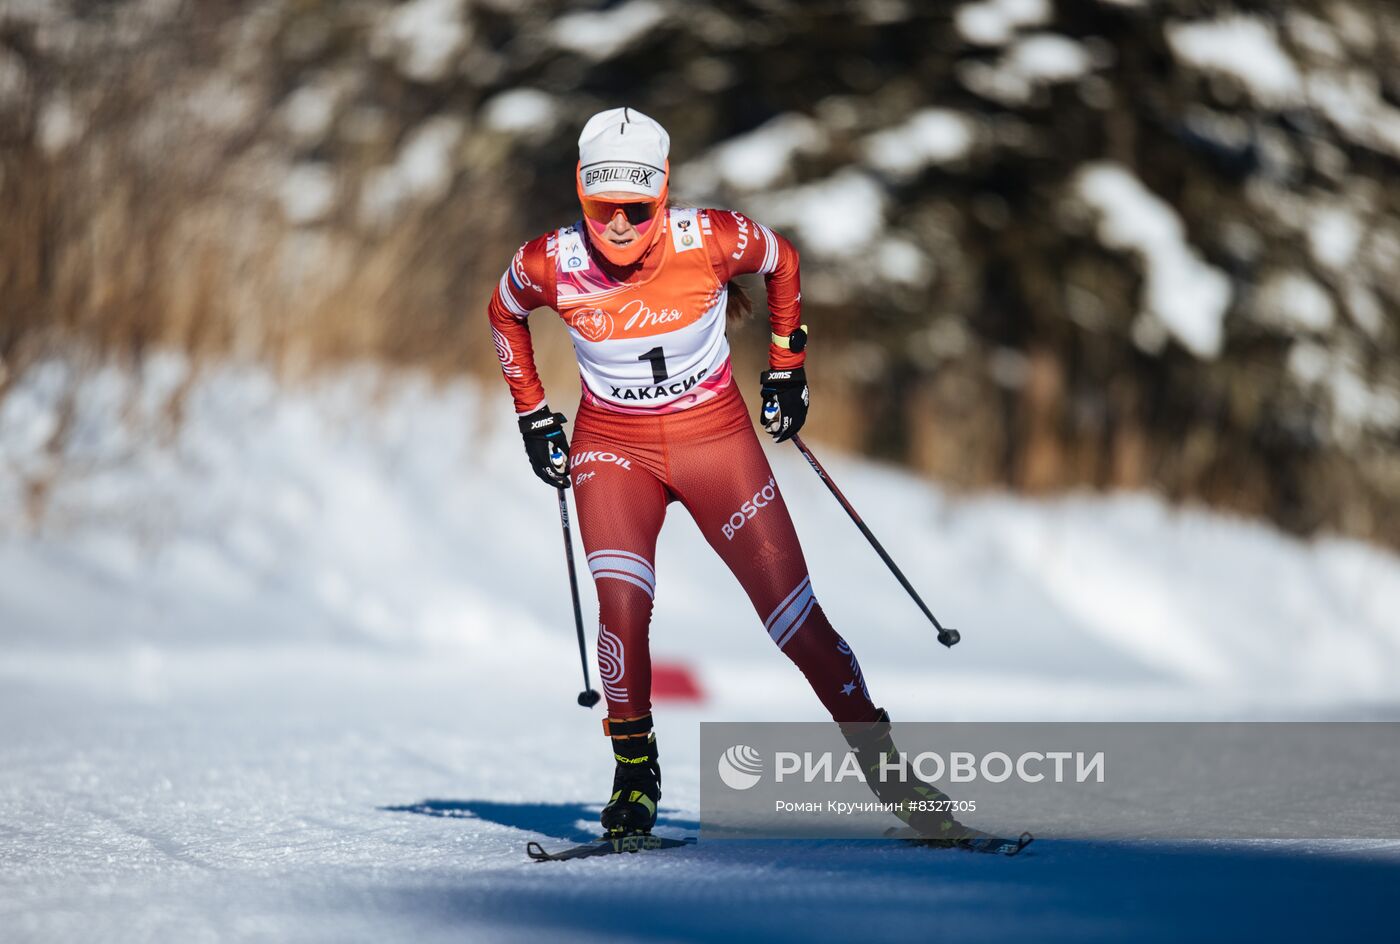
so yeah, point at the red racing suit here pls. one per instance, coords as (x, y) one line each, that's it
(662, 420)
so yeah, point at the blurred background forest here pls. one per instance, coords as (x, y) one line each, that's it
(1047, 244)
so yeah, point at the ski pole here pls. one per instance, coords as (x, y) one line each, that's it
(588, 697)
(949, 637)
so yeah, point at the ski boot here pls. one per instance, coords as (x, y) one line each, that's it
(637, 780)
(871, 741)
(927, 823)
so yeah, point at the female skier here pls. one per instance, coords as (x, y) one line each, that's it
(644, 290)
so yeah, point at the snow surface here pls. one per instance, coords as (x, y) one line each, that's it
(1031, 63)
(1049, 57)
(310, 110)
(1334, 236)
(929, 136)
(421, 172)
(1340, 379)
(521, 111)
(14, 79)
(1248, 50)
(220, 104)
(60, 126)
(1354, 102)
(1295, 303)
(903, 262)
(1187, 295)
(1243, 47)
(755, 160)
(603, 34)
(995, 22)
(297, 664)
(836, 216)
(307, 193)
(424, 37)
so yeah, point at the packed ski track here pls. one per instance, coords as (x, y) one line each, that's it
(300, 666)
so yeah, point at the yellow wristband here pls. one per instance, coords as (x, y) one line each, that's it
(781, 341)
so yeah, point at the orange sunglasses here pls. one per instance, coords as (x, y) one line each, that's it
(603, 211)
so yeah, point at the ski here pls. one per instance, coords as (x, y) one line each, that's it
(605, 846)
(972, 840)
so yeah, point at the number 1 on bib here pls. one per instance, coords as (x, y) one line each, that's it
(658, 364)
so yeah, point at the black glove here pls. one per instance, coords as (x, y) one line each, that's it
(546, 446)
(785, 400)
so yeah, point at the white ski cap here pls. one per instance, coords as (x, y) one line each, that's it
(623, 149)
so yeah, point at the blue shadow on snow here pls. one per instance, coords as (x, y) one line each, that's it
(560, 820)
